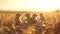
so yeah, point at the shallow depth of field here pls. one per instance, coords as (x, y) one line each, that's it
(51, 19)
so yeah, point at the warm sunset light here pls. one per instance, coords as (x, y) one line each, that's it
(27, 5)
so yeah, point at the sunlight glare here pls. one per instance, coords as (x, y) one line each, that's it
(28, 5)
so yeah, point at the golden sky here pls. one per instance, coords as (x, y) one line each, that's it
(40, 5)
